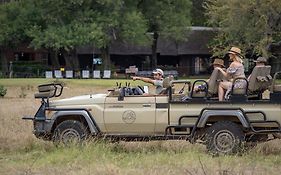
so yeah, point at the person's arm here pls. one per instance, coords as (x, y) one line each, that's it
(144, 79)
(224, 73)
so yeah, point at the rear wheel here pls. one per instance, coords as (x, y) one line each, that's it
(70, 132)
(277, 135)
(225, 137)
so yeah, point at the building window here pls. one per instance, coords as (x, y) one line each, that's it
(23, 56)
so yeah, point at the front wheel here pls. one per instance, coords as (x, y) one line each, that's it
(70, 132)
(225, 137)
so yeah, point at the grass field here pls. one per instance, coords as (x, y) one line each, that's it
(22, 153)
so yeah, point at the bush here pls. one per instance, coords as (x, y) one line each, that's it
(3, 91)
(27, 69)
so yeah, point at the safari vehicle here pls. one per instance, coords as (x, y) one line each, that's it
(179, 112)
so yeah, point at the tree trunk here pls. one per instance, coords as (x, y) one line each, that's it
(71, 60)
(105, 57)
(75, 60)
(4, 63)
(54, 59)
(154, 51)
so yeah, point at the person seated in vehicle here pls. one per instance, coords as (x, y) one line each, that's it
(235, 70)
(260, 79)
(260, 62)
(157, 80)
(217, 63)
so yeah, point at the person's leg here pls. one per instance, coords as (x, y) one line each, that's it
(220, 92)
(223, 86)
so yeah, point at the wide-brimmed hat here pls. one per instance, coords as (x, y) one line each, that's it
(261, 60)
(218, 61)
(235, 51)
(158, 71)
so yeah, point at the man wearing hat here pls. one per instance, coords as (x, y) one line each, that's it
(158, 75)
(217, 63)
(260, 62)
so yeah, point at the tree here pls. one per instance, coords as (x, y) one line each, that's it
(198, 13)
(68, 24)
(15, 18)
(166, 18)
(252, 25)
(118, 20)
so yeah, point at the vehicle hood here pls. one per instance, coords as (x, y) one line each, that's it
(82, 100)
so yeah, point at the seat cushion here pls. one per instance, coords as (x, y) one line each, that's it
(199, 94)
(44, 94)
(46, 88)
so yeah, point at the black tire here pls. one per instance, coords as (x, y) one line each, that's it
(70, 132)
(257, 138)
(225, 137)
(277, 135)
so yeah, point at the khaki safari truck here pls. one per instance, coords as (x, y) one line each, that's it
(178, 112)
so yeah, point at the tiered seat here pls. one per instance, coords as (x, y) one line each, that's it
(213, 83)
(258, 82)
(275, 90)
(49, 91)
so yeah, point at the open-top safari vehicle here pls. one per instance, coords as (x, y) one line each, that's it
(179, 112)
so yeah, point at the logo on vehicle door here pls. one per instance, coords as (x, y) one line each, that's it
(129, 117)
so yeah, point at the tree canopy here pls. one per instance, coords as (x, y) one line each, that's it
(16, 17)
(252, 25)
(66, 24)
(167, 18)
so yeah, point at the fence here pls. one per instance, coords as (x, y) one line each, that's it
(96, 74)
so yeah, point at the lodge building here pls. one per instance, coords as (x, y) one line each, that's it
(191, 57)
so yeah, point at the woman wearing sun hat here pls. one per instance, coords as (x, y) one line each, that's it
(235, 70)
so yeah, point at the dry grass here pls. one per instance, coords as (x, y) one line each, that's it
(22, 153)
(14, 132)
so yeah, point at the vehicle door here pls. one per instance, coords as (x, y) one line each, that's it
(131, 115)
(162, 114)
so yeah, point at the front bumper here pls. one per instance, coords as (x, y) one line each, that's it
(41, 127)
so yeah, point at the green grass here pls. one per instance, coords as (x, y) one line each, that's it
(28, 155)
(75, 82)
(138, 158)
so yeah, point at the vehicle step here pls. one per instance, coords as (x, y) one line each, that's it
(182, 126)
(258, 126)
(265, 130)
(269, 124)
(178, 129)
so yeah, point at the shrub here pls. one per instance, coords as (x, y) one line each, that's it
(3, 91)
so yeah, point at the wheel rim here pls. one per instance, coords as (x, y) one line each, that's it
(224, 141)
(70, 136)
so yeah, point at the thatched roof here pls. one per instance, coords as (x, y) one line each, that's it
(197, 43)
